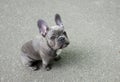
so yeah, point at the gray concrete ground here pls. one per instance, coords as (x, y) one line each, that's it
(93, 27)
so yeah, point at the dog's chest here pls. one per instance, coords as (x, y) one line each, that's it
(58, 52)
(55, 53)
(51, 53)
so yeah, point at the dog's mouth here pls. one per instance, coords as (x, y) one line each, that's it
(63, 46)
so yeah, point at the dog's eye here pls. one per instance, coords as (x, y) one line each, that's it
(52, 37)
(65, 34)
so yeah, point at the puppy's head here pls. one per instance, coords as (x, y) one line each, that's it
(56, 37)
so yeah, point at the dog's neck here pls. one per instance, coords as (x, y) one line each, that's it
(40, 43)
(51, 51)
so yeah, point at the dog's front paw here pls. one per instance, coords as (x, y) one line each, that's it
(57, 58)
(48, 68)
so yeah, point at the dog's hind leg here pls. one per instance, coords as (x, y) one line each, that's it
(34, 64)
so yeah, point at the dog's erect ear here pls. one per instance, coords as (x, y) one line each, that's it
(58, 20)
(43, 28)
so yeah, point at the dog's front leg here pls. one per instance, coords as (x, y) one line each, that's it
(57, 58)
(46, 63)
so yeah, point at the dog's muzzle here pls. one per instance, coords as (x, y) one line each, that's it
(63, 42)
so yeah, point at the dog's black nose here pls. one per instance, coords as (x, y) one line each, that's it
(61, 39)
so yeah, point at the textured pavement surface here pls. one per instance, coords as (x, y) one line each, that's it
(93, 27)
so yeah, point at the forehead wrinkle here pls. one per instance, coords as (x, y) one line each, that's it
(57, 28)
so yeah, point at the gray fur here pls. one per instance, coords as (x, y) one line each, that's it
(44, 46)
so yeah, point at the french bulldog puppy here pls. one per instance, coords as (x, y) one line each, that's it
(44, 47)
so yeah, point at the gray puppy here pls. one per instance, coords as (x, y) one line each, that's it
(45, 46)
